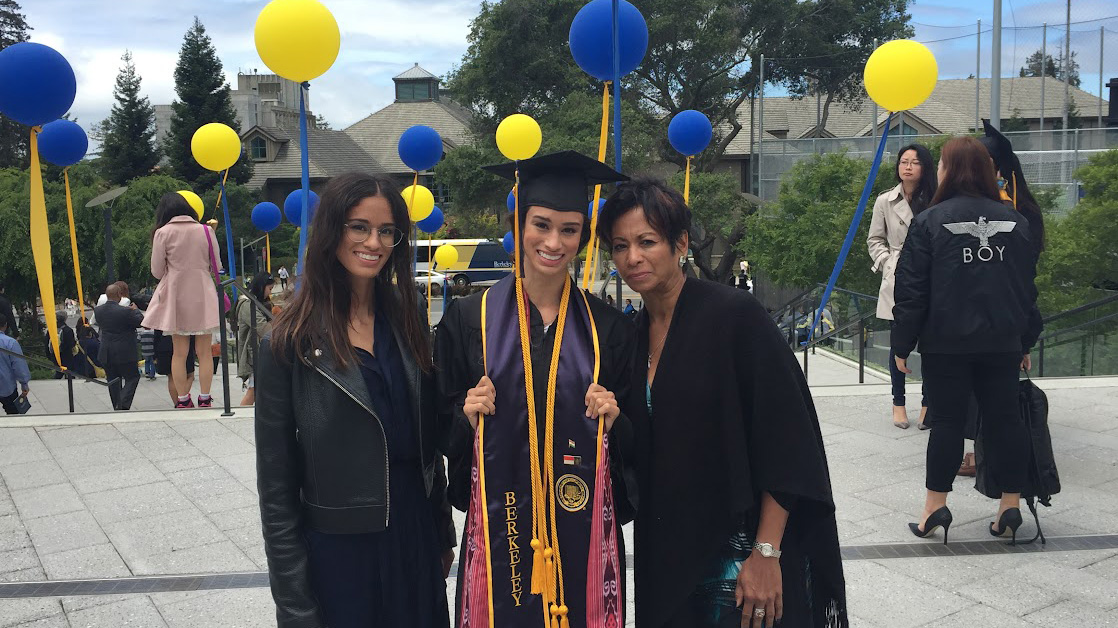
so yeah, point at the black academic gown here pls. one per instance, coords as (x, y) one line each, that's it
(732, 417)
(458, 352)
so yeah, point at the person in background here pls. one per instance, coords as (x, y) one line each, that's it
(892, 214)
(185, 305)
(67, 345)
(250, 331)
(147, 350)
(89, 348)
(7, 313)
(164, 355)
(629, 310)
(966, 293)
(119, 348)
(283, 275)
(14, 374)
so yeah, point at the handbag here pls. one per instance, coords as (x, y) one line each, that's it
(1043, 478)
(213, 267)
(23, 404)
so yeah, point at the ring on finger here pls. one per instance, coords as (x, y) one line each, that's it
(758, 612)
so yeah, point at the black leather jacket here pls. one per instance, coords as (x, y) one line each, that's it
(322, 463)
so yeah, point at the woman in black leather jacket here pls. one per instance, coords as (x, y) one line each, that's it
(352, 488)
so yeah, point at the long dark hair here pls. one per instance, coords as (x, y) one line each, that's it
(969, 171)
(318, 315)
(926, 184)
(171, 204)
(259, 287)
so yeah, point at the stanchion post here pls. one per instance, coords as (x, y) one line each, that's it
(862, 352)
(70, 390)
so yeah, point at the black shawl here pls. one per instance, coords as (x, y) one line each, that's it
(733, 417)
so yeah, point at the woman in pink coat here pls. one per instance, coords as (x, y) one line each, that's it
(184, 305)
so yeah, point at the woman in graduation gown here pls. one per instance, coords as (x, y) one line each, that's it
(547, 523)
(736, 523)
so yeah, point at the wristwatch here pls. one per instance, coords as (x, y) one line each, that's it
(766, 550)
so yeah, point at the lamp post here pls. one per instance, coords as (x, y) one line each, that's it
(107, 199)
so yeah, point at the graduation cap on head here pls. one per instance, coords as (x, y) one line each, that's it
(1006, 161)
(557, 181)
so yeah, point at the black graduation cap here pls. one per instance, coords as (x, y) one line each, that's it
(557, 181)
(1001, 149)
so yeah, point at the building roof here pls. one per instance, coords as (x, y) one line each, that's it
(331, 153)
(379, 132)
(413, 73)
(950, 109)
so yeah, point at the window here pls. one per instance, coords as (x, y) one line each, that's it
(259, 148)
(414, 91)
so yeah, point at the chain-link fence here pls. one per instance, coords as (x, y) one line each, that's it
(1049, 158)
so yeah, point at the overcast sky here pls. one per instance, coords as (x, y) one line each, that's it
(381, 38)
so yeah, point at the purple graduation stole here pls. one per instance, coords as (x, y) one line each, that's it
(578, 583)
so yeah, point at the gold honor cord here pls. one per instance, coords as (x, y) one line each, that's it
(558, 610)
(74, 243)
(592, 248)
(40, 246)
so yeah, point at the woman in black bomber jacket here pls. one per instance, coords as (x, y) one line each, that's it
(356, 525)
(965, 290)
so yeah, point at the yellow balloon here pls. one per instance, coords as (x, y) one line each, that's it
(446, 256)
(422, 205)
(901, 74)
(297, 39)
(215, 146)
(519, 137)
(195, 202)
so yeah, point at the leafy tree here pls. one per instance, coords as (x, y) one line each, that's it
(796, 240)
(720, 214)
(1014, 123)
(829, 44)
(320, 122)
(13, 135)
(1036, 66)
(128, 135)
(203, 97)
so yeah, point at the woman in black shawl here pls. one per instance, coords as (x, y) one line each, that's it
(736, 523)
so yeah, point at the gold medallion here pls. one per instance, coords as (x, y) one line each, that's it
(572, 493)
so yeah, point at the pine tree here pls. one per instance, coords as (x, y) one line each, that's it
(1053, 67)
(203, 97)
(13, 136)
(128, 135)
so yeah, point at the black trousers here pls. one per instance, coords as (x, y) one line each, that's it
(122, 392)
(8, 402)
(897, 379)
(991, 378)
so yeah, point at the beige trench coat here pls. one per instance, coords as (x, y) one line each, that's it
(888, 230)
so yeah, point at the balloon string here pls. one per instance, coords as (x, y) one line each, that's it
(516, 222)
(268, 249)
(40, 246)
(687, 184)
(221, 192)
(74, 243)
(603, 136)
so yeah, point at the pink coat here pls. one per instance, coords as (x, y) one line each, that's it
(186, 300)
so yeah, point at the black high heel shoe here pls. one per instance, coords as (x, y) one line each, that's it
(1008, 522)
(938, 519)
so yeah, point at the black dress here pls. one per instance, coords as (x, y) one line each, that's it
(390, 579)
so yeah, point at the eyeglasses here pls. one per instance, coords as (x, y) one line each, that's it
(912, 163)
(358, 232)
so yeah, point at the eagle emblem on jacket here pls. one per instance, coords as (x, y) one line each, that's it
(983, 229)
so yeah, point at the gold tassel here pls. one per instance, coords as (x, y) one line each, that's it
(550, 574)
(538, 573)
(554, 609)
(563, 621)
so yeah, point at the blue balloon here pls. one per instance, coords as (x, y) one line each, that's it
(509, 242)
(591, 38)
(293, 206)
(590, 207)
(689, 132)
(420, 148)
(63, 143)
(38, 83)
(266, 216)
(432, 223)
(510, 201)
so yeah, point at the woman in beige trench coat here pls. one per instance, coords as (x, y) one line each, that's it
(893, 212)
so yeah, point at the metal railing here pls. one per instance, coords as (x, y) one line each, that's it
(67, 374)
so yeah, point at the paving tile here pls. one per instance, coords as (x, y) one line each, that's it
(1006, 592)
(878, 593)
(139, 432)
(251, 541)
(78, 435)
(980, 615)
(14, 539)
(139, 612)
(136, 501)
(10, 436)
(216, 558)
(44, 501)
(191, 459)
(59, 533)
(80, 458)
(160, 534)
(30, 452)
(17, 560)
(130, 473)
(96, 561)
(1073, 613)
(225, 445)
(238, 518)
(20, 611)
(244, 608)
(1070, 582)
(31, 574)
(32, 474)
(54, 621)
(236, 499)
